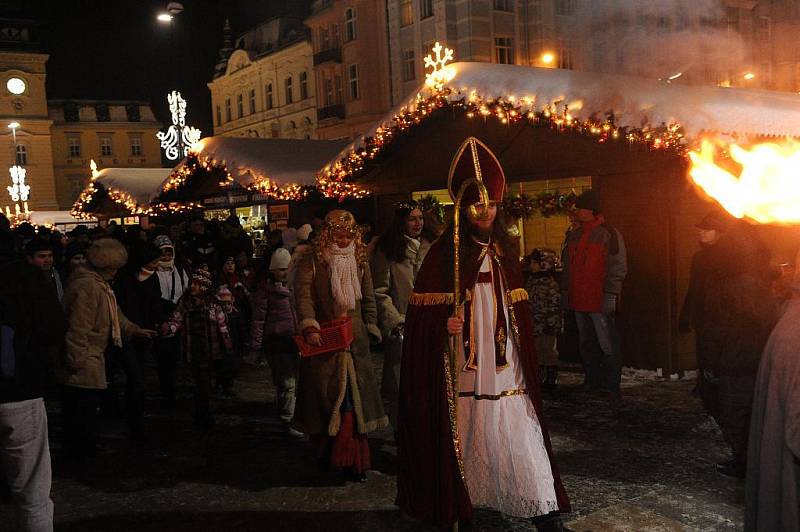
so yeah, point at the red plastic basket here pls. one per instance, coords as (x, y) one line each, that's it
(337, 335)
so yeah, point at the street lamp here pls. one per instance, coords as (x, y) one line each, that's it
(19, 190)
(164, 17)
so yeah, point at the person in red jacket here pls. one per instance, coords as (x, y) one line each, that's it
(595, 264)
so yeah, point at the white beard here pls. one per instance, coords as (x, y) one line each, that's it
(345, 284)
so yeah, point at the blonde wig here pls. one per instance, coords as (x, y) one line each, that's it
(340, 220)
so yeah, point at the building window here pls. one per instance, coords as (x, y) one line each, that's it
(504, 5)
(74, 146)
(105, 147)
(136, 146)
(288, 85)
(337, 83)
(425, 9)
(22, 155)
(71, 112)
(324, 39)
(565, 55)
(252, 101)
(268, 92)
(328, 92)
(240, 105)
(101, 111)
(565, 7)
(406, 12)
(227, 109)
(303, 85)
(763, 29)
(350, 24)
(132, 111)
(352, 75)
(503, 50)
(335, 35)
(409, 71)
(219, 116)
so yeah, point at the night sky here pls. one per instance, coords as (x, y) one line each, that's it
(116, 49)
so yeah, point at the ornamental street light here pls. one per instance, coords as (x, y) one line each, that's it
(19, 190)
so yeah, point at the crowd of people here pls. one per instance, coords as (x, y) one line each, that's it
(77, 309)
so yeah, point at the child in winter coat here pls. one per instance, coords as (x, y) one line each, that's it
(545, 300)
(206, 339)
(225, 368)
(274, 324)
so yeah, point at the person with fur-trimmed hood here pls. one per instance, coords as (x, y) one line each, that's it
(338, 402)
(205, 337)
(95, 323)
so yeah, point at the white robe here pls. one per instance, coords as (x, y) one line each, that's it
(505, 460)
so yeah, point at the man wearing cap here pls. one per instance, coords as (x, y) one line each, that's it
(595, 264)
(173, 281)
(709, 229)
(484, 442)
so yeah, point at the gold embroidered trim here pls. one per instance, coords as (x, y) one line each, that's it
(451, 385)
(431, 298)
(519, 294)
(505, 393)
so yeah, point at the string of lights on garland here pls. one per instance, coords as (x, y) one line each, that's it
(545, 204)
(196, 162)
(338, 180)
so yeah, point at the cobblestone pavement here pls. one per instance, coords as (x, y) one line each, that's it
(644, 463)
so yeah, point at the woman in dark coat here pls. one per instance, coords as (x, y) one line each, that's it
(139, 297)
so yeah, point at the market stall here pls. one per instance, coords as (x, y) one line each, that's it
(262, 180)
(121, 194)
(557, 132)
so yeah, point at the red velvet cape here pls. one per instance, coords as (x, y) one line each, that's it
(429, 487)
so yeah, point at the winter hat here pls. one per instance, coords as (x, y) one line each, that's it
(163, 241)
(107, 254)
(713, 221)
(150, 252)
(280, 259)
(289, 237)
(546, 258)
(588, 200)
(75, 248)
(304, 232)
(223, 294)
(202, 277)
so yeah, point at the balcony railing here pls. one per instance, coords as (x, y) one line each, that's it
(331, 111)
(331, 54)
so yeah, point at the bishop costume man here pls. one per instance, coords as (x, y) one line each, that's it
(497, 452)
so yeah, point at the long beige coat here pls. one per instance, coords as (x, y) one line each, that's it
(324, 379)
(393, 282)
(86, 305)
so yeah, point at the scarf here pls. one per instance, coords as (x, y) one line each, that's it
(116, 332)
(166, 265)
(345, 284)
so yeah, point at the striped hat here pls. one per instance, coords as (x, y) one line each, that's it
(202, 277)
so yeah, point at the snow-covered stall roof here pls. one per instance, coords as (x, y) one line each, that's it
(634, 102)
(142, 184)
(281, 161)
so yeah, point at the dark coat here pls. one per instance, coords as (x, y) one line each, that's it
(31, 309)
(140, 301)
(738, 309)
(429, 486)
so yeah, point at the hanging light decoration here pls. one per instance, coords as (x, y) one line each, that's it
(179, 138)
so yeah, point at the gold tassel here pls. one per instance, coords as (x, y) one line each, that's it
(432, 298)
(519, 294)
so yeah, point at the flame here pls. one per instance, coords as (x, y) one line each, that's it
(767, 188)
